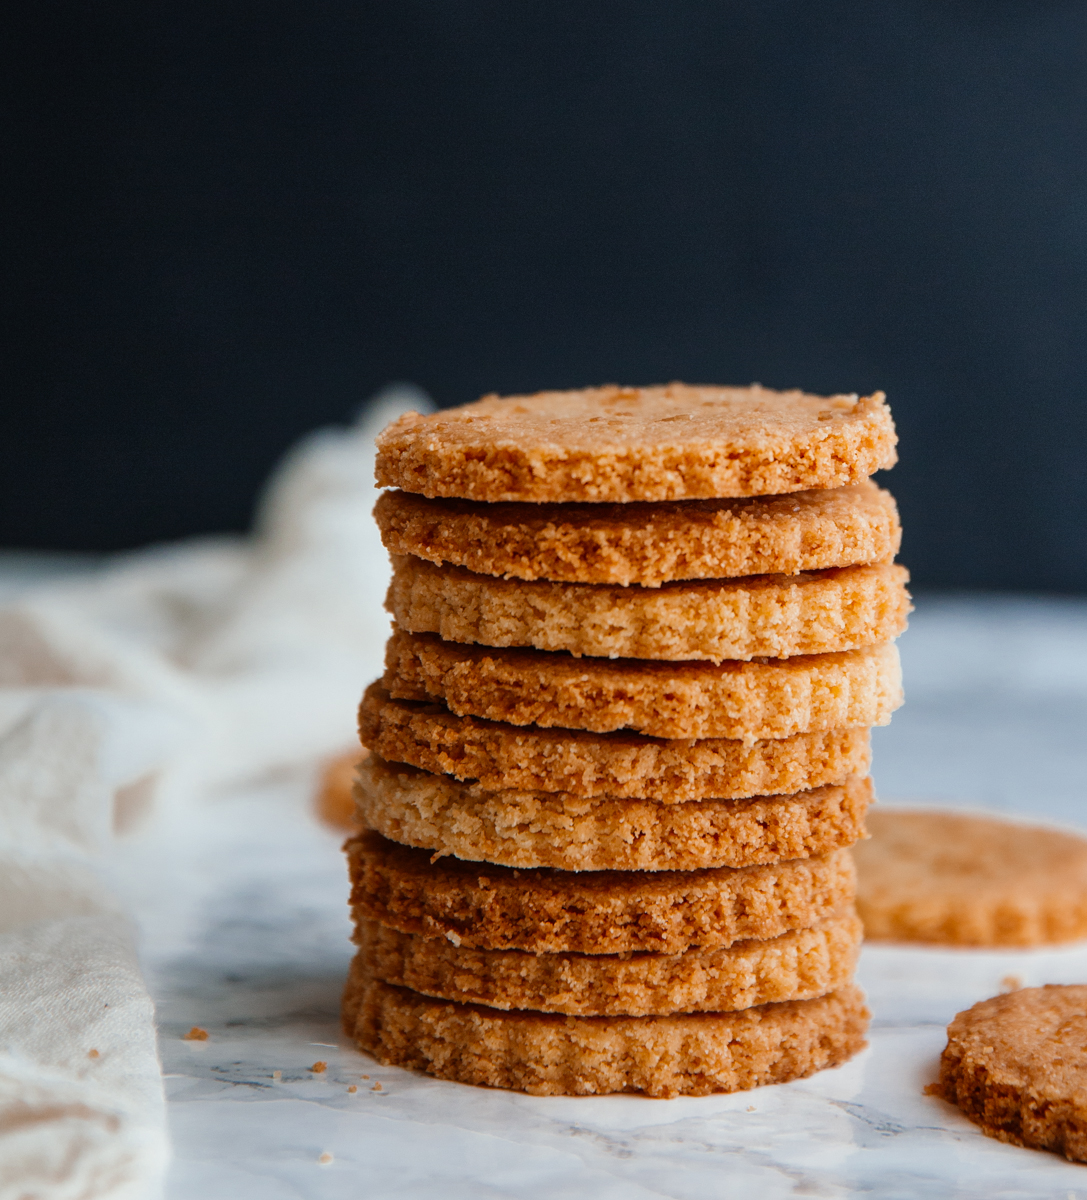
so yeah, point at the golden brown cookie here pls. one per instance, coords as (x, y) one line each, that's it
(738, 700)
(647, 544)
(496, 755)
(931, 876)
(759, 616)
(546, 1054)
(571, 833)
(653, 443)
(335, 800)
(795, 966)
(590, 912)
(1017, 1066)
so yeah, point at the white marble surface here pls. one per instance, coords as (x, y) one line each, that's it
(245, 933)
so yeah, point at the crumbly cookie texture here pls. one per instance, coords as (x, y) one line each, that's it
(590, 912)
(616, 444)
(795, 966)
(647, 544)
(738, 700)
(774, 616)
(1017, 1066)
(554, 829)
(496, 755)
(970, 880)
(547, 1054)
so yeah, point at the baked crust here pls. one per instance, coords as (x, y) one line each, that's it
(1017, 1066)
(647, 544)
(495, 755)
(776, 616)
(546, 1054)
(739, 700)
(543, 911)
(970, 880)
(615, 444)
(554, 829)
(795, 966)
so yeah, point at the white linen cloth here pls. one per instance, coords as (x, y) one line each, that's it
(168, 674)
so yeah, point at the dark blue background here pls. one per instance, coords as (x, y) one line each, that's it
(228, 223)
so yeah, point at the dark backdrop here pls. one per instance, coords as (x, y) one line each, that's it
(228, 223)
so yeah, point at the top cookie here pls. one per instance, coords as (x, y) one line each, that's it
(615, 444)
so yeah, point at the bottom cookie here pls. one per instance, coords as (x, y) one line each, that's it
(551, 1055)
(1017, 1066)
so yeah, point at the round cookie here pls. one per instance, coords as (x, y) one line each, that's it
(748, 701)
(496, 755)
(590, 912)
(546, 1054)
(968, 880)
(647, 544)
(616, 444)
(775, 616)
(335, 799)
(555, 829)
(795, 966)
(1017, 1066)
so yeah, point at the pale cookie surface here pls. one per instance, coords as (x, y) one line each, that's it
(590, 912)
(795, 966)
(1017, 1066)
(737, 700)
(970, 880)
(647, 544)
(496, 755)
(546, 1054)
(654, 443)
(555, 829)
(775, 616)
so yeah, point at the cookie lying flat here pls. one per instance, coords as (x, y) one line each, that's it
(759, 616)
(738, 700)
(496, 755)
(555, 829)
(1017, 1066)
(795, 966)
(647, 544)
(590, 912)
(546, 1054)
(970, 880)
(653, 443)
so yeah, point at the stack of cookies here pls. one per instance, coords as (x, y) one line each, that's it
(621, 746)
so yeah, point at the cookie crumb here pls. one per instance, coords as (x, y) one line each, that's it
(196, 1034)
(93, 1054)
(325, 1159)
(1011, 983)
(277, 1076)
(750, 1108)
(353, 1088)
(365, 1076)
(376, 1087)
(319, 1068)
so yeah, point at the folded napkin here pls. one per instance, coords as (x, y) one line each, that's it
(157, 680)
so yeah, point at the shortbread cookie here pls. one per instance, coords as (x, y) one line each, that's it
(796, 966)
(647, 544)
(590, 912)
(335, 800)
(738, 700)
(555, 829)
(760, 616)
(1017, 1066)
(652, 443)
(496, 755)
(930, 876)
(546, 1054)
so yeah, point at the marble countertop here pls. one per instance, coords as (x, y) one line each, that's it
(245, 934)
